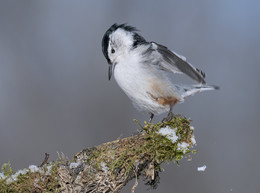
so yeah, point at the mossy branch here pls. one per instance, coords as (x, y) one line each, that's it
(109, 166)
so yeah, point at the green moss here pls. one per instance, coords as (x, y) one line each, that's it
(125, 154)
(43, 181)
(6, 169)
(163, 149)
(120, 156)
(94, 158)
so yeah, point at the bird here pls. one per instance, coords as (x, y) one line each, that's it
(143, 70)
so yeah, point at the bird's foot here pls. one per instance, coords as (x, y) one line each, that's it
(151, 117)
(169, 117)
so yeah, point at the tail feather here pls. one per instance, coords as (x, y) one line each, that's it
(191, 90)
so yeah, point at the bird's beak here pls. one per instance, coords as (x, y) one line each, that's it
(110, 71)
(111, 68)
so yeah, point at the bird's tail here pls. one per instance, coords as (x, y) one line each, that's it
(193, 89)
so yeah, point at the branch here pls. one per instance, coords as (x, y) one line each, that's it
(109, 166)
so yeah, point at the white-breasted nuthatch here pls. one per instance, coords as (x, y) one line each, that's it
(142, 70)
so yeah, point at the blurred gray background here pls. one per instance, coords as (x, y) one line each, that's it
(55, 94)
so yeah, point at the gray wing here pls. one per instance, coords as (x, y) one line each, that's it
(175, 63)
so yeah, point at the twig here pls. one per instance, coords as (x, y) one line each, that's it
(136, 180)
(46, 160)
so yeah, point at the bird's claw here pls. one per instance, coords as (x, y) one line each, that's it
(169, 117)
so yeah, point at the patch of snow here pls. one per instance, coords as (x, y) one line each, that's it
(202, 168)
(48, 172)
(2, 176)
(9, 180)
(35, 183)
(19, 172)
(34, 168)
(183, 146)
(104, 167)
(169, 133)
(74, 165)
(14, 177)
(193, 140)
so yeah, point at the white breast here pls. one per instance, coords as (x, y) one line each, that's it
(137, 81)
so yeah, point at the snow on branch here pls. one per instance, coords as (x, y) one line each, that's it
(109, 166)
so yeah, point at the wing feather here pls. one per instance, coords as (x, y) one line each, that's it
(176, 63)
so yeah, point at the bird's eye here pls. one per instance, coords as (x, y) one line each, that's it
(112, 51)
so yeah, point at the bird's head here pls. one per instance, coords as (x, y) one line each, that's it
(117, 42)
